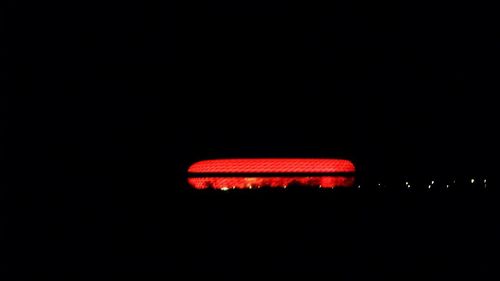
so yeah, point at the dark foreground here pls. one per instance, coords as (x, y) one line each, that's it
(99, 233)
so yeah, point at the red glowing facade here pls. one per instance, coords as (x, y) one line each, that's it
(255, 173)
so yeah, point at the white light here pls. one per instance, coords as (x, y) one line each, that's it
(471, 180)
(359, 186)
(224, 189)
(406, 183)
(320, 186)
(429, 186)
(484, 180)
(432, 182)
(284, 186)
(447, 185)
(409, 186)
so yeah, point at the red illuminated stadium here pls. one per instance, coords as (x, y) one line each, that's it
(274, 172)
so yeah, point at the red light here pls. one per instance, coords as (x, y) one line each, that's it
(273, 165)
(272, 172)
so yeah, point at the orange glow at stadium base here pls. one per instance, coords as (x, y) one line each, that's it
(272, 182)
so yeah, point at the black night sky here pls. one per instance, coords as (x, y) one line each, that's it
(108, 103)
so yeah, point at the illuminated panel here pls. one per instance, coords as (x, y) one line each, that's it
(254, 173)
(257, 182)
(270, 165)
